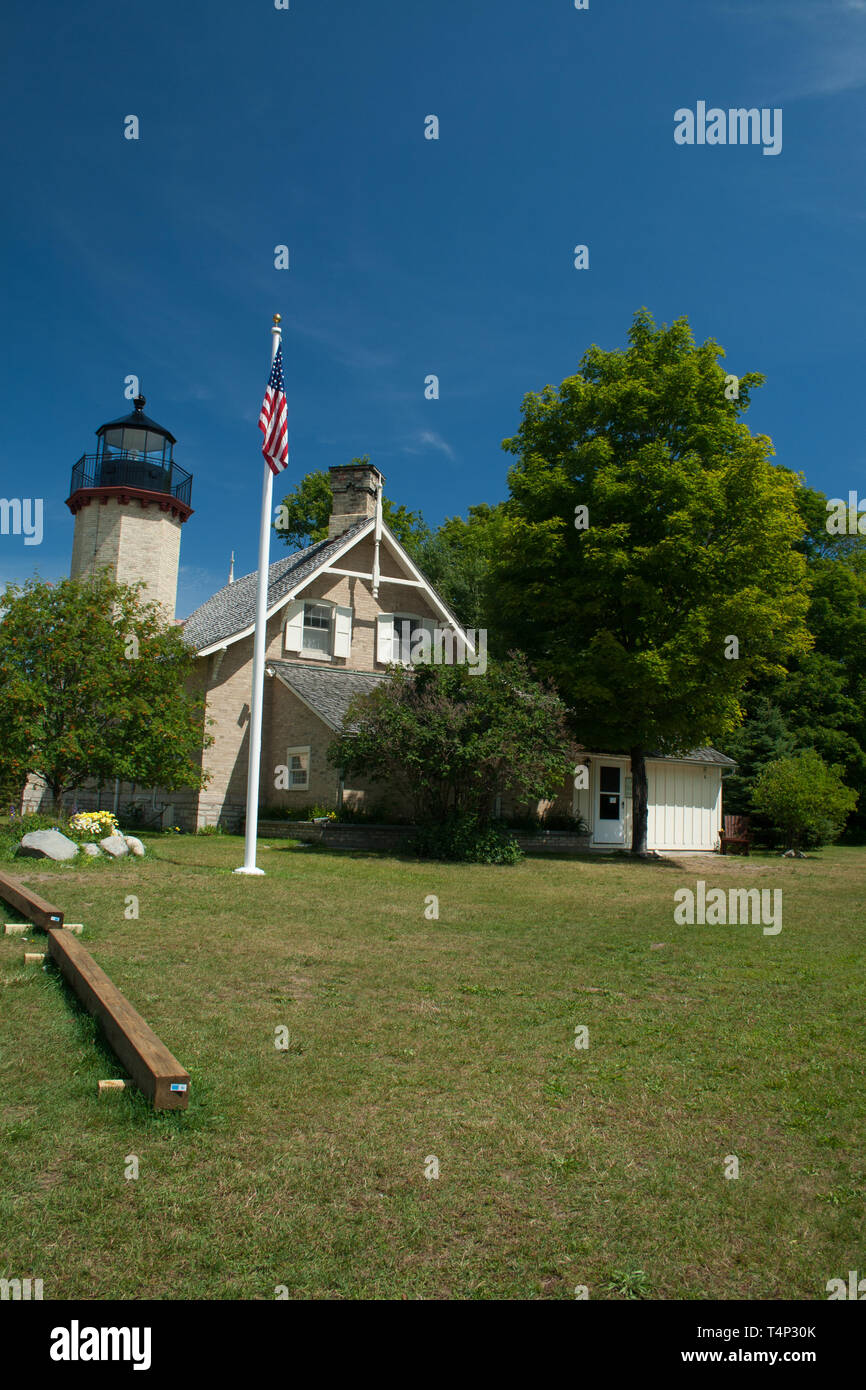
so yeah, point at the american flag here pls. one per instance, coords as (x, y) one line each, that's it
(272, 421)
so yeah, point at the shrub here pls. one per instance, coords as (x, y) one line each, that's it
(12, 830)
(449, 741)
(462, 839)
(530, 823)
(380, 814)
(805, 798)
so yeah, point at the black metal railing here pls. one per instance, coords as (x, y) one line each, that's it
(126, 469)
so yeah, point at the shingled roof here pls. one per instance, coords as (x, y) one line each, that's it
(233, 609)
(326, 689)
(696, 755)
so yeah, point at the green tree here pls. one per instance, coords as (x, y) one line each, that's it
(690, 541)
(822, 698)
(451, 742)
(302, 517)
(805, 798)
(93, 686)
(456, 559)
(763, 737)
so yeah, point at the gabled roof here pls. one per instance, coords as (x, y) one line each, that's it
(231, 613)
(696, 755)
(326, 690)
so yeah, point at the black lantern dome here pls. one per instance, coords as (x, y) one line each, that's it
(133, 454)
(136, 435)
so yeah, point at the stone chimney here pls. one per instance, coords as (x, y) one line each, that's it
(354, 486)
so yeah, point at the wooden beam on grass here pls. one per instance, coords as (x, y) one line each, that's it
(150, 1064)
(152, 1067)
(29, 904)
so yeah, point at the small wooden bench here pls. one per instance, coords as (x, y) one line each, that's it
(736, 832)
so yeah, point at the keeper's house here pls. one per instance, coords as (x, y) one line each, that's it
(340, 612)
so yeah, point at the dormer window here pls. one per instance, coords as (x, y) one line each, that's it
(401, 634)
(404, 635)
(317, 628)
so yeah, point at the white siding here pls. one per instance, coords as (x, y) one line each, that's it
(684, 805)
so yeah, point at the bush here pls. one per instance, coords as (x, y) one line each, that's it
(530, 823)
(314, 812)
(11, 830)
(380, 814)
(464, 840)
(805, 798)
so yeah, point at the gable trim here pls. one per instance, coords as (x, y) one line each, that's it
(292, 593)
(417, 581)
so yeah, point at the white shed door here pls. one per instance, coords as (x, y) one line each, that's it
(684, 806)
(610, 805)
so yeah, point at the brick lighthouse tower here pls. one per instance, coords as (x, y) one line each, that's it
(130, 500)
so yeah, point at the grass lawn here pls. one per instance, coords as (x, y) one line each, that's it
(410, 1038)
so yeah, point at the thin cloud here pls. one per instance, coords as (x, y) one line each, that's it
(429, 439)
(826, 43)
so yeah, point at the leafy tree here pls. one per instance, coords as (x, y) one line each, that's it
(456, 559)
(93, 686)
(822, 699)
(690, 541)
(805, 798)
(762, 738)
(452, 742)
(302, 516)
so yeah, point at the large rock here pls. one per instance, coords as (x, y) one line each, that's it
(47, 844)
(134, 846)
(115, 845)
(93, 851)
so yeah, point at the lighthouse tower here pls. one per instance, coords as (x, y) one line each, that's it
(130, 500)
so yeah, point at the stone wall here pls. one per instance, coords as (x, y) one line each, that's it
(392, 838)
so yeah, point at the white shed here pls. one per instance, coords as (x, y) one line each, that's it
(685, 799)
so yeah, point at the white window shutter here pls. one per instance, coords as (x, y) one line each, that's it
(384, 634)
(294, 626)
(342, 631)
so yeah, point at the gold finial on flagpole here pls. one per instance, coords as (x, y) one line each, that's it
(277, 318)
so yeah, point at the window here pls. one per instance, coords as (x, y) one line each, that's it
(398, 633)
(405, 631)
(298, 763)
(317, 628)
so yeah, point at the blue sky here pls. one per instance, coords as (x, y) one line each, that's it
(408, 256)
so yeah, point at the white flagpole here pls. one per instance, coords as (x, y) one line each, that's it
(256, 697)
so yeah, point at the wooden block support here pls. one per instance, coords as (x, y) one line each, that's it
(150, 1064)
(14, 928)
(30, 905)
(34, 957)
(112, 1085)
